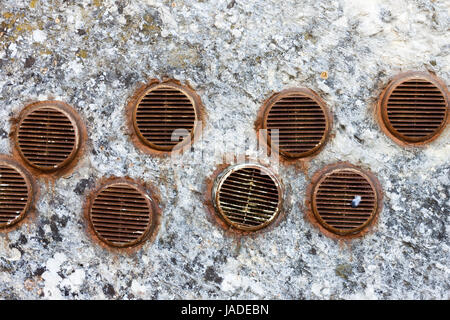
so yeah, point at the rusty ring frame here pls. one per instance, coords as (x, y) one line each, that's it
(32, 191)
(154, 212)
(313, 215)
(220, 179)
(383, 118)
(267, 107)
(139, 140)
(80, 136)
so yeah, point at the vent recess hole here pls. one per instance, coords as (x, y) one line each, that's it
(15, 194)
(414, 108)
(48, 135)
(121, 214)
(302, 121)
(165, 115)
(345, 200)
(247, 197)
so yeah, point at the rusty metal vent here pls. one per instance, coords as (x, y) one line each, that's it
(48, 136)
(15, 194)
(247, 197)
(164, 116)
(414, 107)
(345, 199)
(121, 214)
(302, 121)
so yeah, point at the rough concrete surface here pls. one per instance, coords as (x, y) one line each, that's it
(93, 54)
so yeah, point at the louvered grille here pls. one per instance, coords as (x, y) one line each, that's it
(345, 201)
(301, 122)
(162, 111)
(415, 110)
(47, 138)
(120, 215)
(248, 198)
(14, 195)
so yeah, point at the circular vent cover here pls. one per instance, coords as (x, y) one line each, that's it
(121, 213)
(414, 107)
(16, 192)
(164, 115)
(344, 199)
(302, 120)
(48, 135)
(247, 197)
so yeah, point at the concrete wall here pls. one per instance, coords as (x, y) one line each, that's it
(235, 54)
